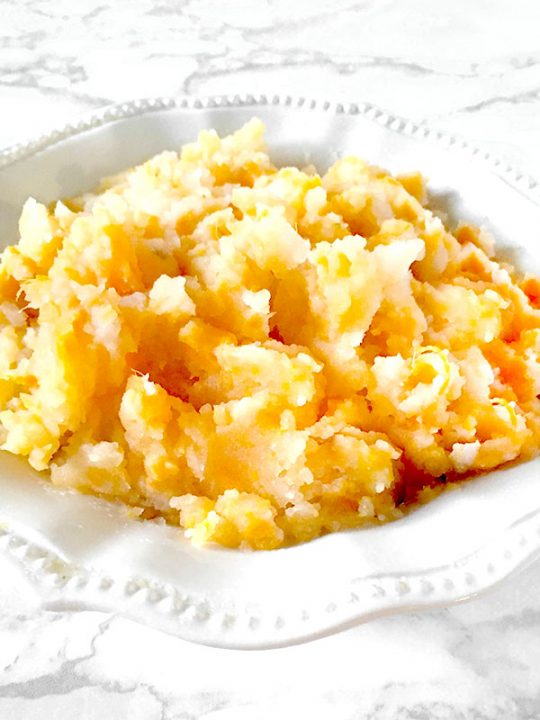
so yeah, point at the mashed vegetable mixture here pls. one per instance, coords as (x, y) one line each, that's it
(259, 355)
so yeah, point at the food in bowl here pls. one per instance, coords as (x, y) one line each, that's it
(262, 355)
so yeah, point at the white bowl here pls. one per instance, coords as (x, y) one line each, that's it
(79, 552)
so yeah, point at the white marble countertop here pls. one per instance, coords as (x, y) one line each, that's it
(469, 68)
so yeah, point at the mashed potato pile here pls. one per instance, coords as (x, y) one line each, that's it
(262, 356)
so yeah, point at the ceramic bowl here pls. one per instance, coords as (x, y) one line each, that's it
(79, 552)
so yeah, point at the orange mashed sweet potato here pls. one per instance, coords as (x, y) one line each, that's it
(262, 355)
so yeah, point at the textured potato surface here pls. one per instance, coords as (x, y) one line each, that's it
(262, 355)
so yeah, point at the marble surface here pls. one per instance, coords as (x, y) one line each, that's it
(469, 68)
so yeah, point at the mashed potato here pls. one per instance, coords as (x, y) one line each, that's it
(258, 355)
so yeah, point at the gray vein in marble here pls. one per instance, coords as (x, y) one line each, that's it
(63, 680)
(533, 94)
